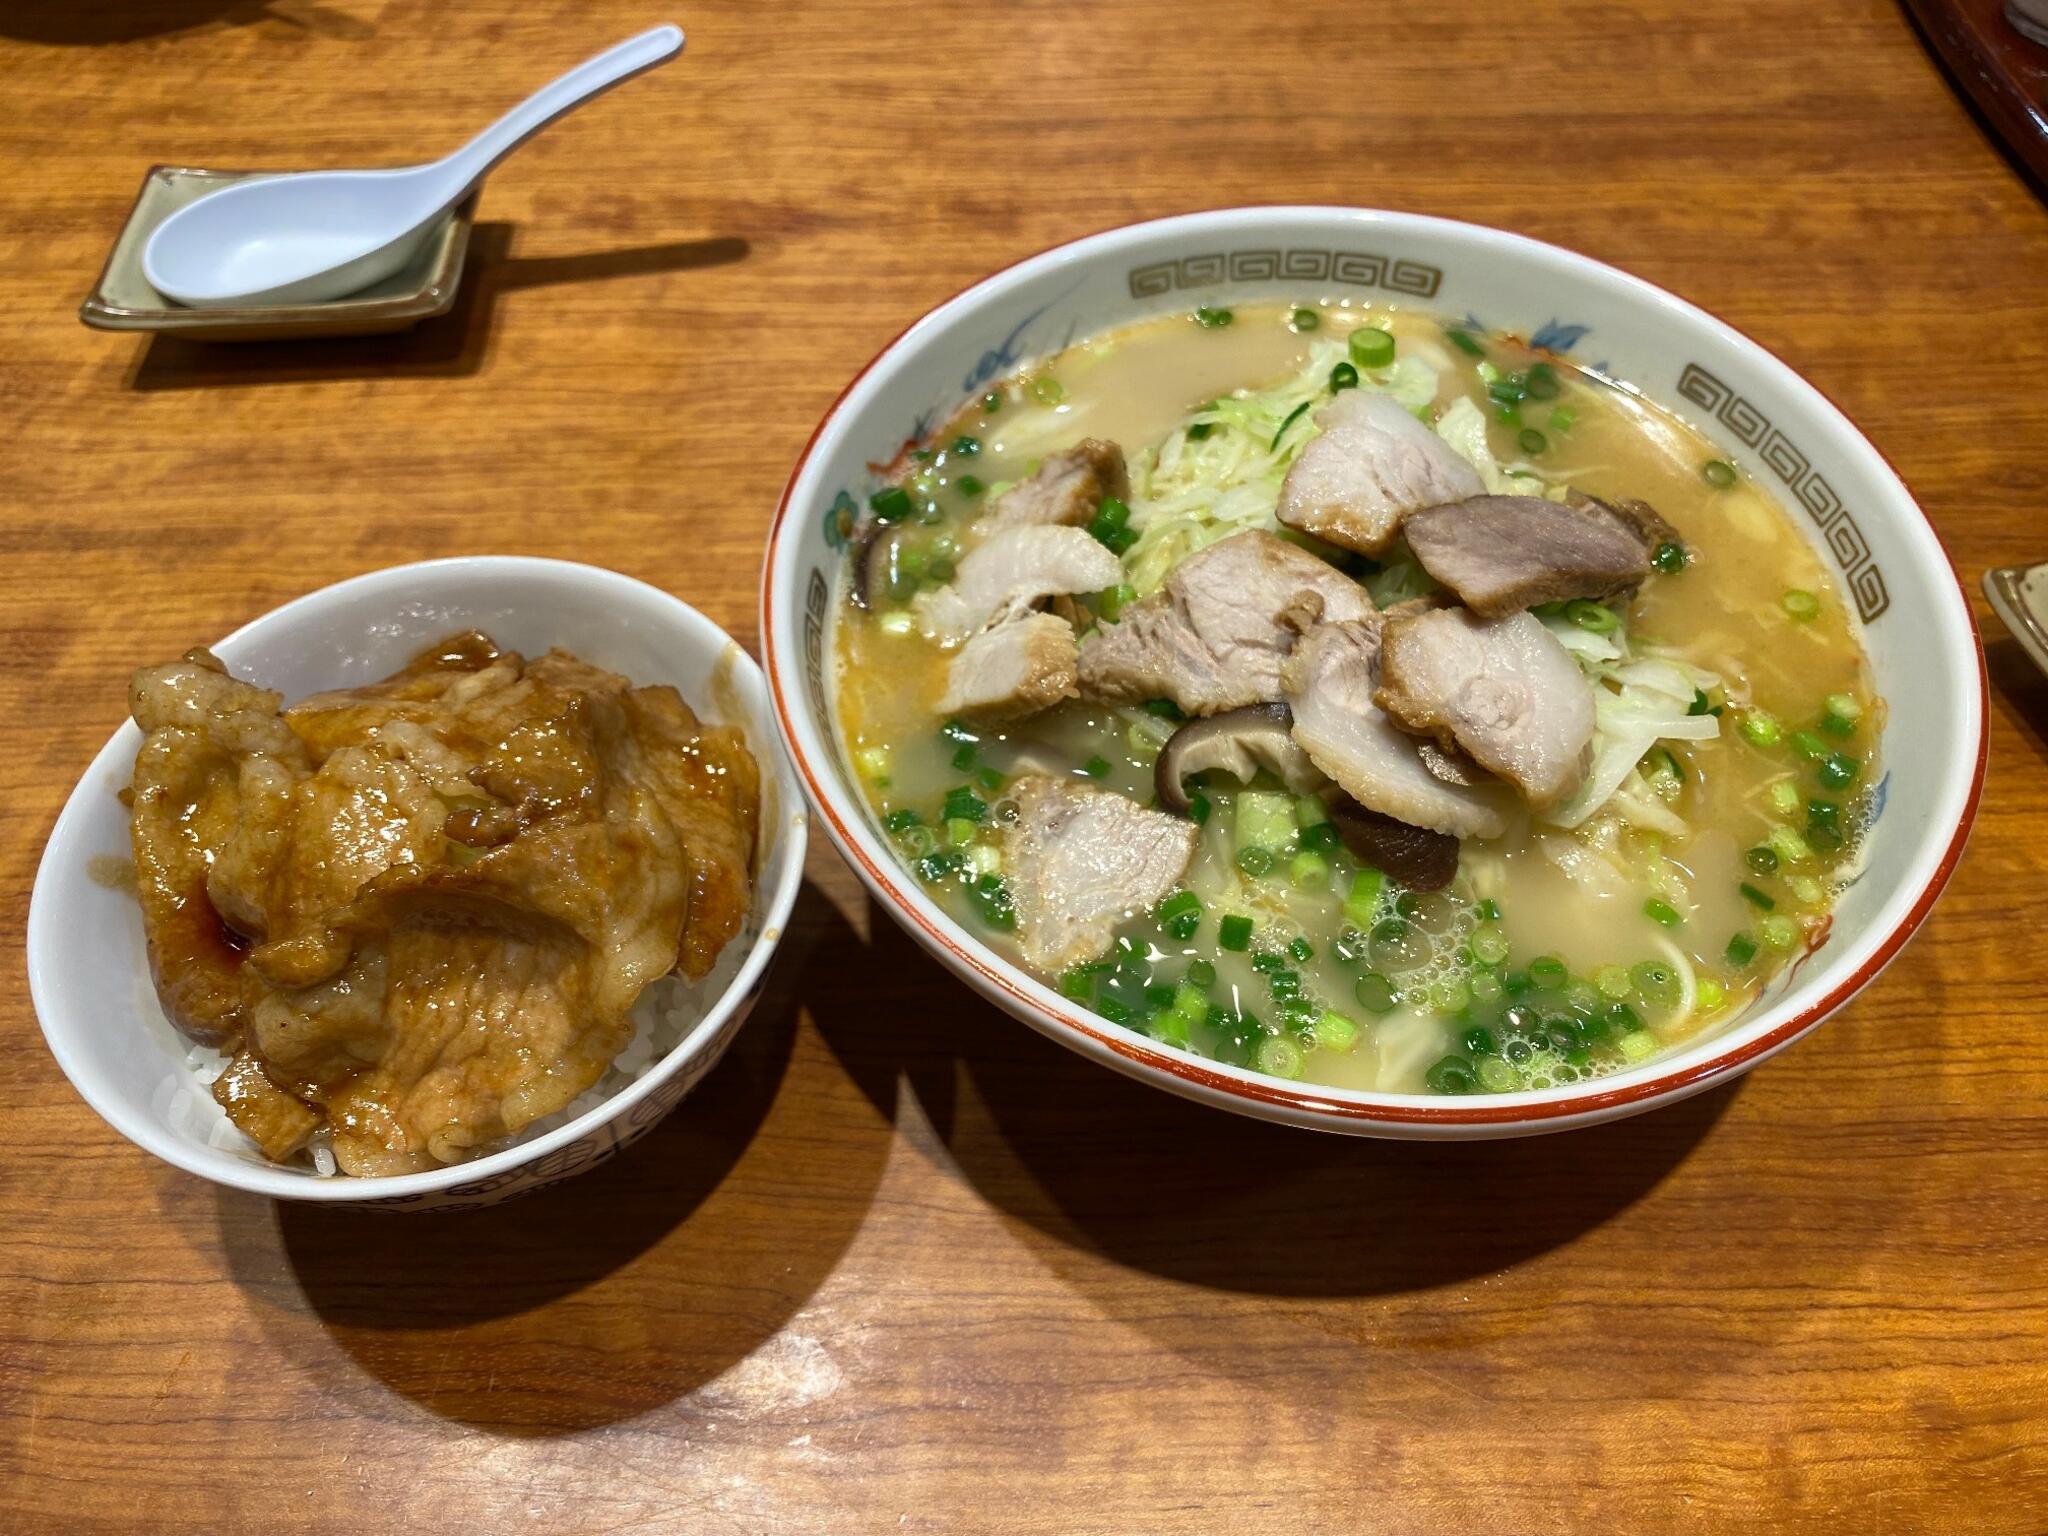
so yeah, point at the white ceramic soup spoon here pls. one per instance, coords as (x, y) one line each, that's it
(314, 236)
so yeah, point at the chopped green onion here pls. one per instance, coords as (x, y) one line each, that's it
(1362, 901)
(1198, 809)
(1660, 912)
(1234, 933)
(963, 804)
(901, 820)
(1810, 746)
(891, 503)
(1335, 1031)
(1548, 972)
(1465, 342)
(1165, 709)
(1323, 837)
(1803, 607)
(969, 486)
(965, 758)
(1305, 320)
(1255, 862)
(964, 446)
(1844, 707)
(1488, 911)
(1489, 945)
(1807, 891)
(1292, 417)
(1562, 420)
(991, 899)
(1762, 860)
(1452, 1074)
(991, 402)
(1201, 973)
(1371, 347)
(1375, 993)
(1838, 770)
(1741, 950)
(1265, 819)
(1279, 1056)
(1612, 981)
(959, 831)
(938, 866)
(1783, 796)
(1595, 618)
(1789, 846)
(1670, 558)
(1342, 377)
(1048, 391)
(1760, 729)
(873, 761)
(1200, 431)
(1543, 382)
(1308, 869)
(1096, 767)
(1112, 602)
(1655, 980)
(1760, 899)
(1718, 473)
(1172, 1027)
(1779, 932)
(1213, 318)
(1637, 1045)
(1532, 441)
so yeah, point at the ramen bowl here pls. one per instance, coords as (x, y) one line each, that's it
(89, 967)
(1849, 505)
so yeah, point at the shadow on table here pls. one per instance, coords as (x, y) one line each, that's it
(454, 345)
(89, 22)
(1173, 1188)
(614, 1293)
(2021, 684)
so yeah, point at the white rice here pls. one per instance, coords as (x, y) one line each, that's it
(663, 1018)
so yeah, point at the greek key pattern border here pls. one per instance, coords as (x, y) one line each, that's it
(1358, 269)
(1790, 464)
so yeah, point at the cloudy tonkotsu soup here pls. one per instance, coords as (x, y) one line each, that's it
(1358, 697)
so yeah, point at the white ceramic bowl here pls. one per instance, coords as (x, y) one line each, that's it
(88, 967)
(1856, 513)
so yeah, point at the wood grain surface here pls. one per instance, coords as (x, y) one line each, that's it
(900, 1263)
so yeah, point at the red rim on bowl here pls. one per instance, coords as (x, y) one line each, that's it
(880, 876)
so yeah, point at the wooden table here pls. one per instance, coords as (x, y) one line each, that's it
(901, 1263)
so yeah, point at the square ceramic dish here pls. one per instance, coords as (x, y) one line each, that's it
(2019, 596)
(123, 300)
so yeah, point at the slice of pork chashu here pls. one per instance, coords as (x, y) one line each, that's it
(1013, 670)
(1214, 636)
(1079, 861)
(1067, 489)
(1500, 554)
(1503, 689)
(1009, 573)
(1372, 464)
(1329, 682)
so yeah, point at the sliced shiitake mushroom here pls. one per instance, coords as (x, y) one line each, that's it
(1416, 857)
(1239, 741)
(874, 565)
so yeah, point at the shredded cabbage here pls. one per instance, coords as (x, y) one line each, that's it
(1188, 493)
(1636, 704)
(1463, 426)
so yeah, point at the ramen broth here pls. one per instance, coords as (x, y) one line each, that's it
(1556, 954)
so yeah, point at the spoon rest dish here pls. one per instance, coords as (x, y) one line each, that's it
(123, 299)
